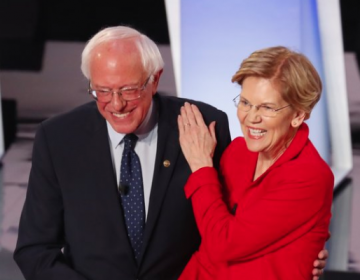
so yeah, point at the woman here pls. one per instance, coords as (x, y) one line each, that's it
(266, 215)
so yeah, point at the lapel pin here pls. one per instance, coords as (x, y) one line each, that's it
(166, 163)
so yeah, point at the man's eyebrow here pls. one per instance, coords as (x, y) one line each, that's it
(108, 88)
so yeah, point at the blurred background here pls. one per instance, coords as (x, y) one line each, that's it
(202, 44)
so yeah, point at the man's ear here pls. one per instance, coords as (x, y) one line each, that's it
(298, 119)
(156, 79)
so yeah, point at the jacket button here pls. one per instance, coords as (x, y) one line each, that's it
(166, 163)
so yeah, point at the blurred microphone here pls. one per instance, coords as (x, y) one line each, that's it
(123, 189)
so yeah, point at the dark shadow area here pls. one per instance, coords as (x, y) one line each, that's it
(355, 137)
(340, 275)
(350, 20)
(9, 115)
(25, 26)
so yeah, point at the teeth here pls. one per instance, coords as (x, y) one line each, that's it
(257, 132)
(121, 115)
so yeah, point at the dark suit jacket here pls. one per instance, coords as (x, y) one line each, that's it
(72, 225)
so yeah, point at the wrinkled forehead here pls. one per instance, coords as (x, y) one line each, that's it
(116, 57)
(260, 90)
(118, 49)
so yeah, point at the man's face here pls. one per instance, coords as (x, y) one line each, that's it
(114, 66)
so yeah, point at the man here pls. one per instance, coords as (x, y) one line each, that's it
(75, 222)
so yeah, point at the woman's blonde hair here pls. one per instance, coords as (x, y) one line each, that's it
(290, 72)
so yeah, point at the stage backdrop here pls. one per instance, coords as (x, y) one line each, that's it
(209, 39)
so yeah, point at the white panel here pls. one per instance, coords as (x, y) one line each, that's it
(173, 19)
(334, 70)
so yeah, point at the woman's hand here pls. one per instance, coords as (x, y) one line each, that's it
(319, 264)
(197, 141)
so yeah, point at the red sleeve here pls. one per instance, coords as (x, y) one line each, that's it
(205, 181)
(290, 207)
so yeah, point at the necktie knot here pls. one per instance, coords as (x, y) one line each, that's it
(130, 141)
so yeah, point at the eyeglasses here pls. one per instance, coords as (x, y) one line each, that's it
(127, 93)
(265, 110)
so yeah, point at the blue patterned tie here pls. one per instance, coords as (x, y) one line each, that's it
(133, 198)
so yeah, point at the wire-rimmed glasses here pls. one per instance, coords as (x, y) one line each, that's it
(265, 110)
(127, 93)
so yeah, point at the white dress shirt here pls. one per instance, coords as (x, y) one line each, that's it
(145, 148)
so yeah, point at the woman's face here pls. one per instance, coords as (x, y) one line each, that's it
(269, 135)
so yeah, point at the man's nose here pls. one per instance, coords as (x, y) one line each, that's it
(117, 101)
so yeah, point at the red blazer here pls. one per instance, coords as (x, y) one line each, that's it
(270, 228)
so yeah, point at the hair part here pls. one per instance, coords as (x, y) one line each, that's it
(290, 72)
(151, 58)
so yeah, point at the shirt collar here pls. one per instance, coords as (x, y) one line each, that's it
(141, 132)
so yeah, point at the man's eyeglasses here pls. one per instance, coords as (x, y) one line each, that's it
(127, 93)
(264, 110)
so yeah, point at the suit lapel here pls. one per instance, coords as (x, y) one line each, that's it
(168, 149)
